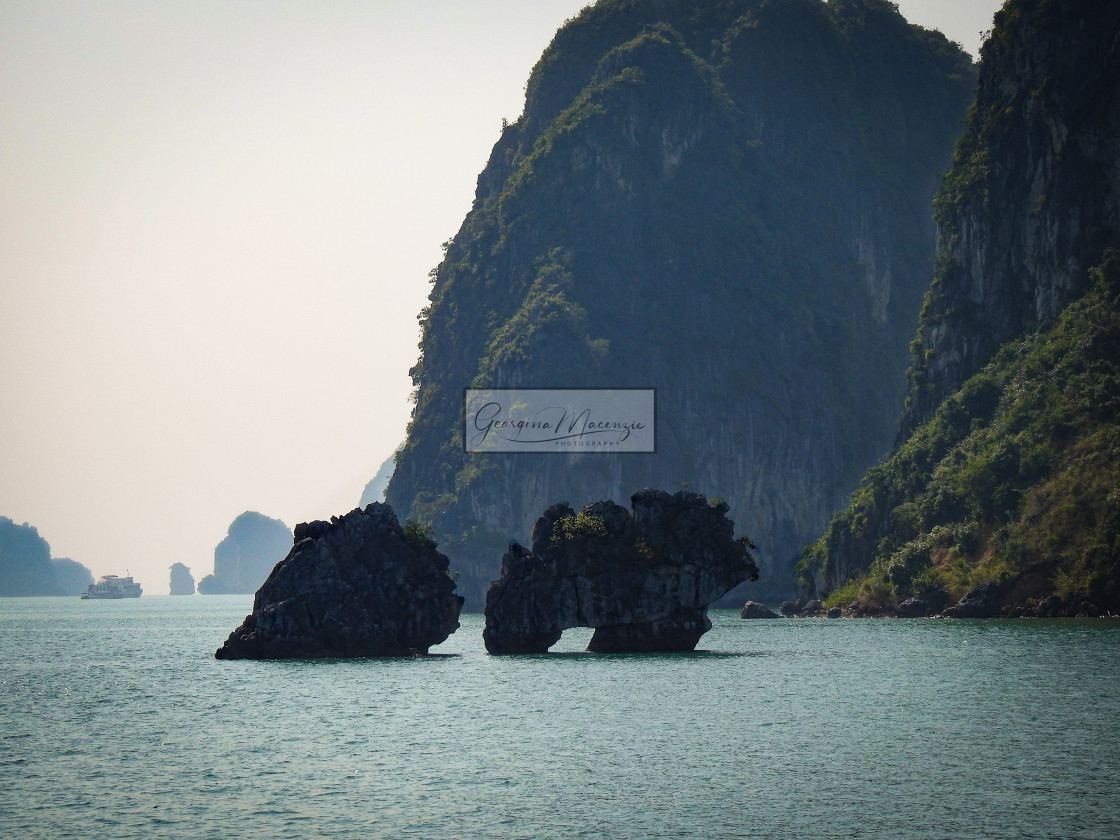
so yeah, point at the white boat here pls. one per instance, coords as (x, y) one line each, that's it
(111, 586)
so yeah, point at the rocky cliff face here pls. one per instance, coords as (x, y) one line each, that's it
(359, 585)
(727, 202)
(1004, 474)
(1034, 195)
(644, 578)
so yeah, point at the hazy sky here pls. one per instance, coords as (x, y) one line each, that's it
(216, 224)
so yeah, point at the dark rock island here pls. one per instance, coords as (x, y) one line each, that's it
(642, 579)
(359, 585)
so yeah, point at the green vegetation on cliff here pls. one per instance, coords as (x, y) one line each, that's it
(1029, 205)
(1015, 479)
(1007, 465)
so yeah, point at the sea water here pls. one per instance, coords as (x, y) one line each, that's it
(117, 722)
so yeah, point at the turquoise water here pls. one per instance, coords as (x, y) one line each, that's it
(117, 722)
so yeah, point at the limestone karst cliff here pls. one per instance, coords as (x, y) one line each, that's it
(1005, 474)
(1033, 198)
(728, 202)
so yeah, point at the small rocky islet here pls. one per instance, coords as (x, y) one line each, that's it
(359, 585)
(643, 578)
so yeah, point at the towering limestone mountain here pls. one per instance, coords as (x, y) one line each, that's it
(1007, 468)
(728, 202)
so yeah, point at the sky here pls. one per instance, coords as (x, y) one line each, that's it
(217, 220)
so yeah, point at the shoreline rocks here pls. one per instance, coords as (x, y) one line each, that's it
(986, 601)
(359, 585)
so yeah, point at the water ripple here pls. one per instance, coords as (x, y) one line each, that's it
(126, 727)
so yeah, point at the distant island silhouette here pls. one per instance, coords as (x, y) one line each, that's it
(254, 544)
(27, 568)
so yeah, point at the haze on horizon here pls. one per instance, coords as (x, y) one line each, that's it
(216, 225)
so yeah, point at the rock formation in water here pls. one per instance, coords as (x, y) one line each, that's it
(728, 202)
(27, 568)
(1001, 494)
(753, 609)
(985, 601)
(255, 543)
(643, 579)
(359, 585)
(1076, 605)
(182, 581)
(930, 603)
